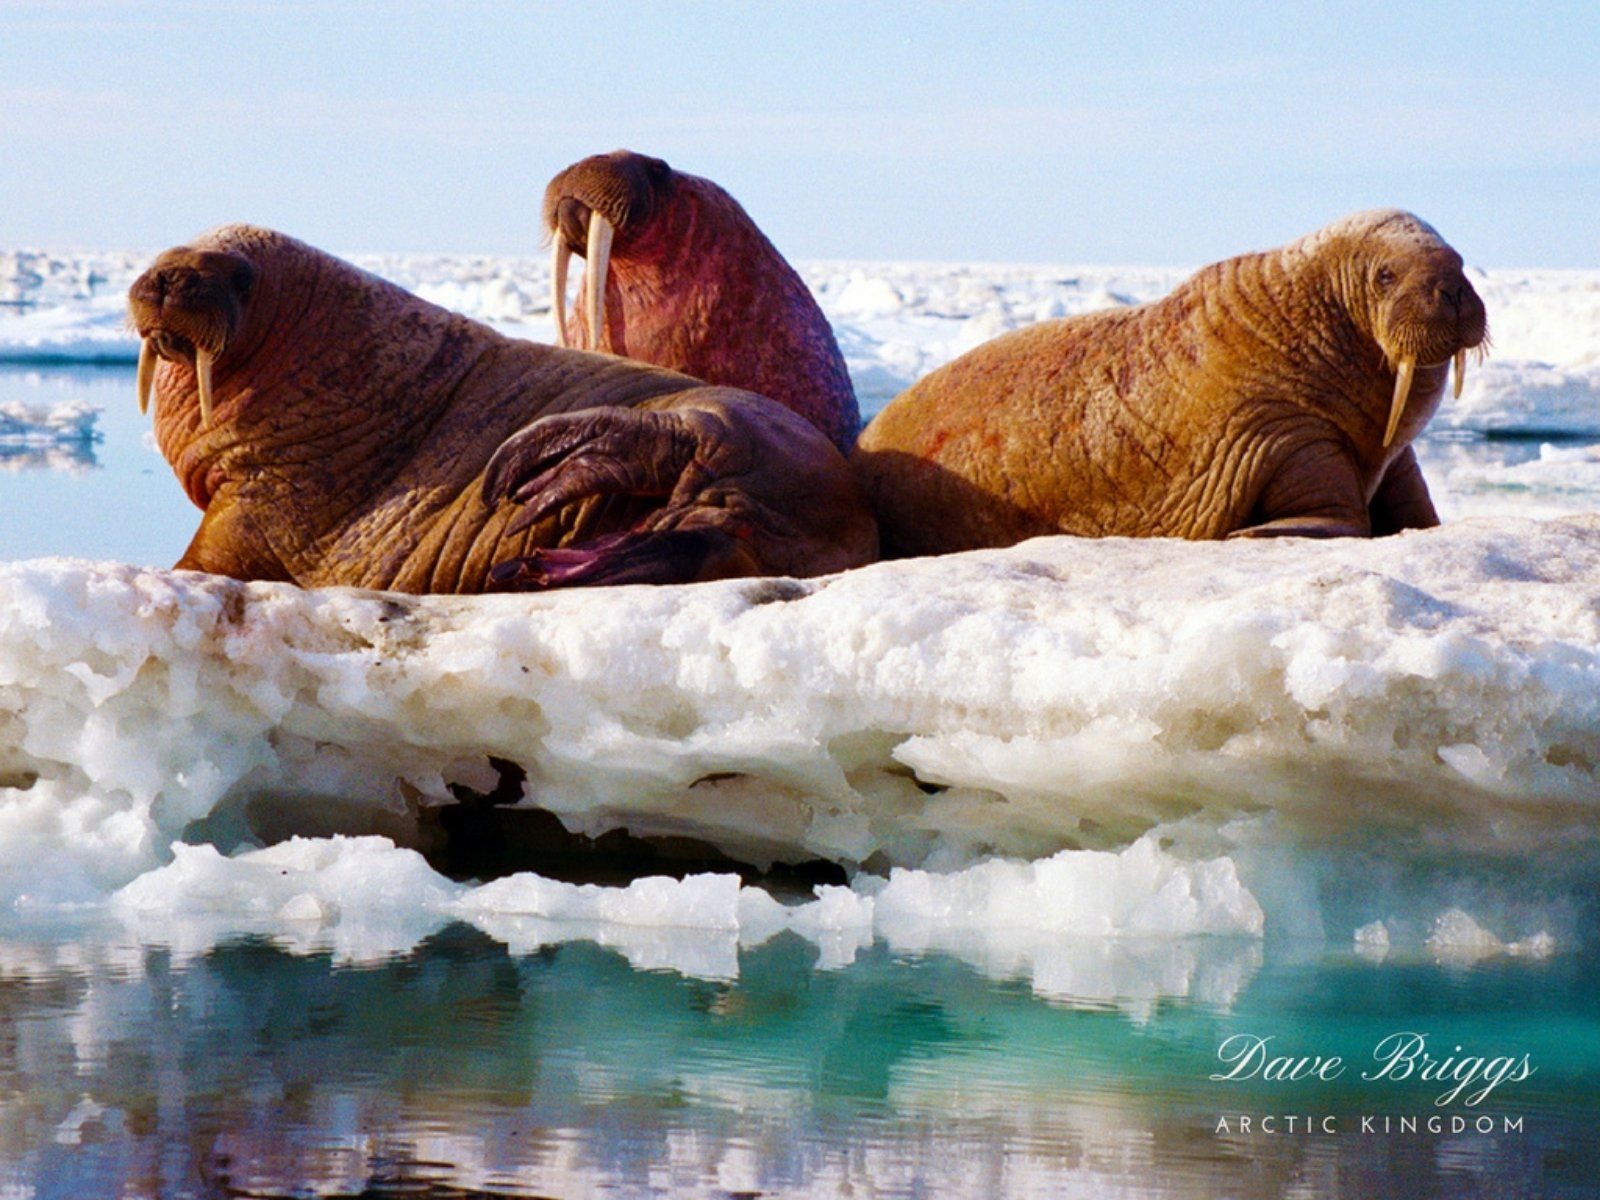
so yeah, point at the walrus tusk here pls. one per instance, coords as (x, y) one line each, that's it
(1402, 389)
(597, 259)
(558, 284)
(1461, 371)
(147, 374)
(202, 373)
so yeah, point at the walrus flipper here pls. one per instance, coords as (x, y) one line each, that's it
(1402, 500)
(688, 458)
(558, 460)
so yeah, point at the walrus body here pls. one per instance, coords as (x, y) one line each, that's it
(690, 283)
(336, 429)
(1271, 394)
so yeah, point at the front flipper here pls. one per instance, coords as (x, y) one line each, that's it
(1315, 492)
(1402, 500)
(730, 484)
(1306, 527)
(561, 459)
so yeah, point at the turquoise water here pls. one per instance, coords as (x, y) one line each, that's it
(262, 1068)
(249, 1070)
(115, 500)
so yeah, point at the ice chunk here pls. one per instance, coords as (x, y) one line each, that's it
(926, 713)
(1141, 891)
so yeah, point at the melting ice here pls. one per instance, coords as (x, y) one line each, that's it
(1156, 738)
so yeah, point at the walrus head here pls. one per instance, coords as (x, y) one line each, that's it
(188, 308)
(1418, 304)
(678, 274)
(600, 202)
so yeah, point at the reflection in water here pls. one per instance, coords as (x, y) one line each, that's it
(82, 496)
(59, 437)
(1473, 476)
(72, 458)
(252, 1070)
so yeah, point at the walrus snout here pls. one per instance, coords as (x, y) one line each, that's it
(624, 187)
(571, 223)
(1430, 315)
(586, 207)
(186, 308)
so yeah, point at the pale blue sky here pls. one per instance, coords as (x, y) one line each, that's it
(1158, 133)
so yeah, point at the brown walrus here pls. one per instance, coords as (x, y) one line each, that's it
(1271, 394)
(336, 429)
(692, 284)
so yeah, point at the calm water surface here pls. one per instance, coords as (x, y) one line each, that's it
(117, 499)
(252, 1067)
(252, 1070)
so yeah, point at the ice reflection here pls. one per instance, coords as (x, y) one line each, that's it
(77, 474)
(58, 437)
(565, 1071)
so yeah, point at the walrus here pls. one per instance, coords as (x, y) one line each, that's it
(677, 274)
(336, 429)
(1272, 394)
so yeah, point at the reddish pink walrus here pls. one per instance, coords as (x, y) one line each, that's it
(691, 284)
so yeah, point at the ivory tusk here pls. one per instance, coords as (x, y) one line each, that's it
(147, 374)
(597, 259)
(558, 284)
(202, 373)
(1402, 390)
(1461, 372)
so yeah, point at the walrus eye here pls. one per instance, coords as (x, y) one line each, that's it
(244, 278)
(1384, 278)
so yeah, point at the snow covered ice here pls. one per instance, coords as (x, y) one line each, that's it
(1022, 756)
(1439, 688)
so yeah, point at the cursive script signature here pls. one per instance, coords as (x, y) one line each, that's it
(1399, 1056)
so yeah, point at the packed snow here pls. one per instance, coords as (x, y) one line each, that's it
(1022, 757)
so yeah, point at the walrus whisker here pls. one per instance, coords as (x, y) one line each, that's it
(1402, 390)
(203, 360)
(597, 257)
(558, 285)
(146, 377)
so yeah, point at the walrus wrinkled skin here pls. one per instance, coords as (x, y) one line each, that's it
(691, 284)
(336, 429)
(1271, 394)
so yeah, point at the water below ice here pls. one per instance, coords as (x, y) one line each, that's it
(253, 1070)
